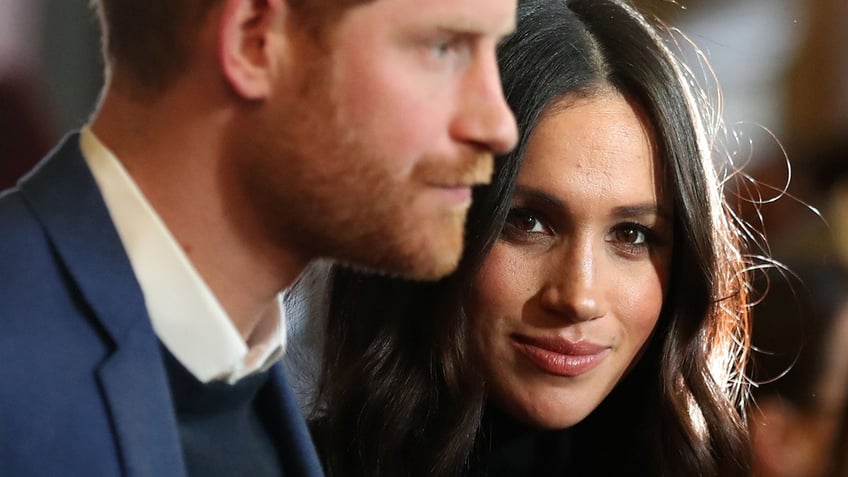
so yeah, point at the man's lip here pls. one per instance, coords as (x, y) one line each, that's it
(561, 345)
(459, 192)
(458, 185)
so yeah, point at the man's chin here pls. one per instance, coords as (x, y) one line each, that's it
(431, 269)
(436, 268)
(435, 257)
(429, 261)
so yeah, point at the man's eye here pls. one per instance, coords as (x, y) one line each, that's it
(442, 48)
(454, 49)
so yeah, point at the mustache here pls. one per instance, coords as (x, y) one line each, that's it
(470, 169)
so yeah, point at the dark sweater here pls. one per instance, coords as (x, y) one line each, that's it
(221, 426)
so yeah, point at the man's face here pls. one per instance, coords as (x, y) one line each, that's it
(368, 150)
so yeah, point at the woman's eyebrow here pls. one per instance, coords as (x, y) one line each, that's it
(636, 210)
(537, 195)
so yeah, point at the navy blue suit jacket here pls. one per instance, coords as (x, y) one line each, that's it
(83, 388)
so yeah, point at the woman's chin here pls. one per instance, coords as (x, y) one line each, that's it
(561, 415)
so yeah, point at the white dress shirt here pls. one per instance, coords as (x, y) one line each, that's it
(186, 315)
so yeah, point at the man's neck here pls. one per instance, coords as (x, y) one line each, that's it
(172, 148)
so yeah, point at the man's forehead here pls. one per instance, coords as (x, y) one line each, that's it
(489, 17)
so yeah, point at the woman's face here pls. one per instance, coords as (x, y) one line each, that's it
(572, 290)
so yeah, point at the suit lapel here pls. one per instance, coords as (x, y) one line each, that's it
(64, 196)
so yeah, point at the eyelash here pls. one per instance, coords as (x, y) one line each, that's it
(649, 240)
(453, 48)
(443, 47)
(513, 230)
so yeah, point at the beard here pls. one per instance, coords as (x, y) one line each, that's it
(321, 190)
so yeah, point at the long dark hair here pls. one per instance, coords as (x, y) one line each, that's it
(398, 395)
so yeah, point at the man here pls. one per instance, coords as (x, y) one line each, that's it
(236, 141)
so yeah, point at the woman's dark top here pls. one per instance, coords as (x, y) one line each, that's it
(508, 448)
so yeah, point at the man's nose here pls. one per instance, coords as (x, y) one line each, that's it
(484, 116)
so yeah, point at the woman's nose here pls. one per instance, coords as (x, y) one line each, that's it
(573, 286)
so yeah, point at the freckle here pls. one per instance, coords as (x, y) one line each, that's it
(187, 249)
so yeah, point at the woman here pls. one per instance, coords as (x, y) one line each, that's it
(597, 323)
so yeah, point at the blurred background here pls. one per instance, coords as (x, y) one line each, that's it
(50, 75)
(782, 69)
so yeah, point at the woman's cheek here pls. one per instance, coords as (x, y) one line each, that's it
(497, 297)
(644, 295)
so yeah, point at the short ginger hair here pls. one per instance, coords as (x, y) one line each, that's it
(152, 40)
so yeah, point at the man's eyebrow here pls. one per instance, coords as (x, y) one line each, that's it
(473, 27)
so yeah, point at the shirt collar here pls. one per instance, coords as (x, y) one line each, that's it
(186, 315)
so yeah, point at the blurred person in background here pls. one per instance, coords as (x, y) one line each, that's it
(23, 128)
(800, 336)
(24, 121)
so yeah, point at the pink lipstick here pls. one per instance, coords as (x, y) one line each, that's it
(559, 356)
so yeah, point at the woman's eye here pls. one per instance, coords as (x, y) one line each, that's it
(524, 222)
(631, 234)
(633, 239)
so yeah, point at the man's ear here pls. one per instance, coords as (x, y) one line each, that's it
(248, 45)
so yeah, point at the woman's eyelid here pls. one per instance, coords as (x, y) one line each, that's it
(524, 213)
(656, 232)
(644, 229)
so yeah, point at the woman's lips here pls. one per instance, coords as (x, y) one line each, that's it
(559, 356)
